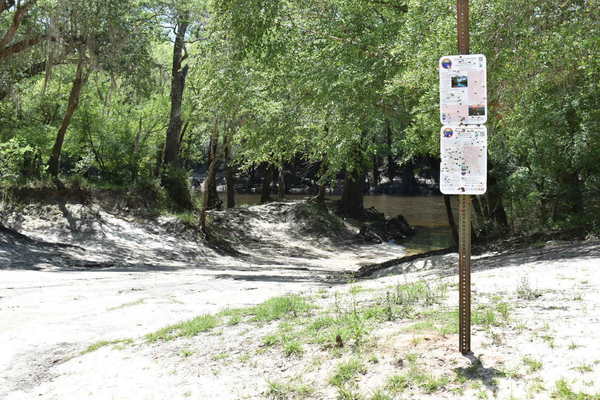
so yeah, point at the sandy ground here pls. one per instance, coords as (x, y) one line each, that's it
(126, 278)
(131, 280)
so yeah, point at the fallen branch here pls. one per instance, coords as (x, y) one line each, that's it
(367, 270)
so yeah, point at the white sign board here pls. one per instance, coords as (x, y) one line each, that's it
(463, 90)
(464, 159)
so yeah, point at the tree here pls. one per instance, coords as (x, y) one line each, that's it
(100, 30)
(11, 43)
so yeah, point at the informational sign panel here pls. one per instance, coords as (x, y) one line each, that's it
(463, 90)
(464, 159)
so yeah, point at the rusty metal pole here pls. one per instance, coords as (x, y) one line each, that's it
(464, 246)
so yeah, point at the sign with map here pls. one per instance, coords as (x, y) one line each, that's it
(464, 159)
(463, 90)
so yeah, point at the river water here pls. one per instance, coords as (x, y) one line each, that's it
(426, 213)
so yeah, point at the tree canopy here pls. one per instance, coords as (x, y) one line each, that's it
(119, 91)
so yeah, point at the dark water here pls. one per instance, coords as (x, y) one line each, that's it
(427, 214)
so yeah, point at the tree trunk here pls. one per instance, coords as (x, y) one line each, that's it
(451, 220)
(321, 195)
(229, 175)
(159, 158)
(495, 204)
(265, 193)
(178, 77)
(376, 175)
(210, 196)
(281, 188)
(409, 183)
(78, 82)
(569, 201)
(351, 203)
(391, 164)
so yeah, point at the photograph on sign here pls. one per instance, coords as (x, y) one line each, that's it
(463, 168)
(463, 90)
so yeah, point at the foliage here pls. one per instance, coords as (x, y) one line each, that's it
(344, 86)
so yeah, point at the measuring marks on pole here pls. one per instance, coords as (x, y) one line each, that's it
(464, 272)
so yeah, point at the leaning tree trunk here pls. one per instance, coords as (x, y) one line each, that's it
(229, 174)
(210, 195)
(178, 77)
(351, 203)
(78, 82)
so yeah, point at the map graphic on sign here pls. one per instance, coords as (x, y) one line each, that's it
(463, 90)
(464, 160)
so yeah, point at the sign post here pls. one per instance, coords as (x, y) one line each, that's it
(464, 234)
(464, 273)
(463, 145)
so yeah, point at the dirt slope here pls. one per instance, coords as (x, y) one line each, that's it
(76, 274)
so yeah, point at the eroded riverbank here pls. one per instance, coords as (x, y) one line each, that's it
(56, 302)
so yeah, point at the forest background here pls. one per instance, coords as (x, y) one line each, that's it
(137, 95)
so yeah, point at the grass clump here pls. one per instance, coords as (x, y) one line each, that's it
(416, 377)
(103, 343)
(287, 391)
(532, 364)
(280, 307)
(380, 395)
(345, 393)
(347, 371)
(397, 384)
(526, 292)
(445, 322)
(189, 218)
(292, 348)
(583, 368)
(189, 328)
(563, 391)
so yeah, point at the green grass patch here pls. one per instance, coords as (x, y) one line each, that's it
(397, 384)
(280, 307)
(583, 368)
(347, 371)
(381, 395)
(103, 343)
(445, 322)
(532, 365)
(415, 378)
(345, 393)
(287, 391)
(563, 391)
(189, 328)
(292, 348)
